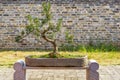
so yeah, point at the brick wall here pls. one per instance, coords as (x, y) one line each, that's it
(88, 20)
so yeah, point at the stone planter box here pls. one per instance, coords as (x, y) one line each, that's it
(20, 68)
(56, 62)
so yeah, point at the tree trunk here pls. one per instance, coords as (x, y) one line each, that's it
(55, 51)
(53, 42)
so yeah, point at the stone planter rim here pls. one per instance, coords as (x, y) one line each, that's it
(85, 56)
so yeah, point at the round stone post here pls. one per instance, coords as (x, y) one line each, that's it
(92, 73)
(20, 72)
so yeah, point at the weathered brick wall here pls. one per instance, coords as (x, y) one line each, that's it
(96, 20)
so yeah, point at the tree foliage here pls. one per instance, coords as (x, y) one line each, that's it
(44, 28)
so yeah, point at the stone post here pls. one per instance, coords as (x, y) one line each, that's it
(20, 72)
(92, 73)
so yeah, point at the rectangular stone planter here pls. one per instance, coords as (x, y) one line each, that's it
(20, 68)
(56, 62)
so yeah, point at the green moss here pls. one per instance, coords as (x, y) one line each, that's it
(57, 56)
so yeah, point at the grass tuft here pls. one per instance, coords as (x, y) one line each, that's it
(91, 47)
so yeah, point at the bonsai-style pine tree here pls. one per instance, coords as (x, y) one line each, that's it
(44, 28)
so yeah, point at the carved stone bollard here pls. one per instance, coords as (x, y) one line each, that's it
(20, 72)
(92, 73)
